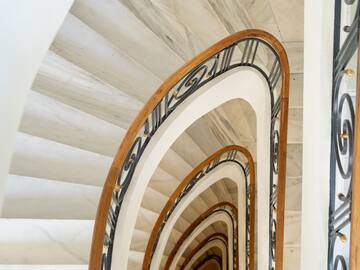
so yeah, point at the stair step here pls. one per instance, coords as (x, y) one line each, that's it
(292, 229)
(43, 267)
(292, 257)
(50, 119)
(62, 80)
(41, 158)
(153, 200)
(113, 20)
(135, 260)
(84, 47)
(41, 241)
(27, 197)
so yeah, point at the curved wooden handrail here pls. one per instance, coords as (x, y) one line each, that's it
(200, 246)
(172, 199)
(192, 227)
(98, 238)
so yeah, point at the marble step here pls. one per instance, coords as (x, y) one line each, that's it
(84, 47)
(292, 259)
(43, 267)
(292, 230)
(28, 197)
(41, 158)
(178, 167)
(147, 218)
(296, 90)
(176, 24)
(45, 242)
(50, 119)
(135, 260)
(189, 150)
(115, 22)
(64, 81)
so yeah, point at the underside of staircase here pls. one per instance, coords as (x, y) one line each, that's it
(105, 62)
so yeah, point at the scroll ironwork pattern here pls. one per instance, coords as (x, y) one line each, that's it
(251, 52)
(342, 137)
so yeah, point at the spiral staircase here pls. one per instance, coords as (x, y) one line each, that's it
(105, 62)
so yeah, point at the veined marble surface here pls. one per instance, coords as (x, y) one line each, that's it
(28, 197)
(42, 241)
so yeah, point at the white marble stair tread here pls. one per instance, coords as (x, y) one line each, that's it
(188, 149)
(146, 219)
(84, 47)
(41, 158)
(43, 267)
(64, 81)
(41, 241)
(191, 152)
(154, 200)
(292, 229)
(292, 257)
(293, 193)
(50, 119)
(135, 260)
(295, 125)
(28, 197)
(139, 240)
(296, 90)
(119, 25)
(163, 182)
(294, 160)
(178, 167)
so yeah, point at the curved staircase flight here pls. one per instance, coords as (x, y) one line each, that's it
(95, 79)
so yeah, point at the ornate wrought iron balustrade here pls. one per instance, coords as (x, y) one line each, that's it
(253, 49)
(346, 43)
(213, 237)
(234, 154)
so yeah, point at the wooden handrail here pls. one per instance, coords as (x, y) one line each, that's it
(172, 199)
(110, 185)
(355, 203)
(200, 246)
(193, 226)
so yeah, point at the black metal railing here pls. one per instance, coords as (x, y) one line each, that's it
(233, 156)
(251, 48)
(346, 43)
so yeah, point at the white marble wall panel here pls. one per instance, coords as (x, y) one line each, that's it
(27, 197)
